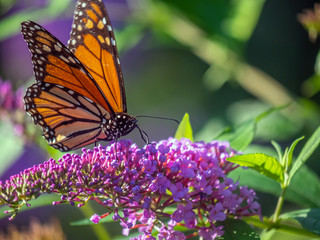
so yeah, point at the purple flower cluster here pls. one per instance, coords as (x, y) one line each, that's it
(165, 184)
(10, 100)
(11, 105)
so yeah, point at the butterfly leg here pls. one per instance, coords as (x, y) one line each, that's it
(144, 135)
(115, 145)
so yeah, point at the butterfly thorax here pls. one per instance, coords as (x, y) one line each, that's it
(120, 125)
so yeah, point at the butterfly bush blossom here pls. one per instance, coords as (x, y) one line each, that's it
(310, 19)
(11, 106)
(166, 184)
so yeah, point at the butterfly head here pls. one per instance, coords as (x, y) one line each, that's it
(121, 125)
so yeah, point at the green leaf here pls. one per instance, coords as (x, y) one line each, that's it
(52, 152)
(262, 163)
(129, 37)
(83, 222)
(43, 200)
(133, 234)
(312, 85)
(290, 152)
(87, 221)
(278, 148)
(297, 191)
(306, 152)
(255, 180)
(287, 229)
(10, 25)
(11, 146)
(241, 136)
(244, 18)
(239, 230)
(184, 129)
(268, 112)
(308, 218)
(305, 188)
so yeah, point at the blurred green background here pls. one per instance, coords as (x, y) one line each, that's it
(221, 61)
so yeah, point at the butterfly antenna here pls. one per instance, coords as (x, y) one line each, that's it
(143, 135)
(156, 117)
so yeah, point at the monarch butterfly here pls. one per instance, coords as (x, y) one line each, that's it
(79, 96)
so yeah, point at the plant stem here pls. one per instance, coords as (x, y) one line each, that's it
(279, 206)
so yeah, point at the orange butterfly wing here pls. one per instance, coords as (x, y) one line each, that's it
(68, 120)
(66, 102)
(93, 43)
(54, 63)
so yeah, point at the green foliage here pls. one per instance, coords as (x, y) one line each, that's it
(276, 169)
(262, 163)
(238, 230)
(297, 191)
(306, 152)
(267, 165)
(130, 236)
(308, 218)
(87, 221)
(184, 129)
(52, 152)
(304, 188)
(45, 200)
(11, 148)
(241, 136)
(10, 25)
(129, 37)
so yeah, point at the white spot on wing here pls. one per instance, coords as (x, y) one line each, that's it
(113, 42)
(57, 48)
(71, 59)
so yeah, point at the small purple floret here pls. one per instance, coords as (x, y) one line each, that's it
(11, 104)
(95, 218)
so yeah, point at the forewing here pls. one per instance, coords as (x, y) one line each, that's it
(93, 43)
(68, 120)
(55, 64)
